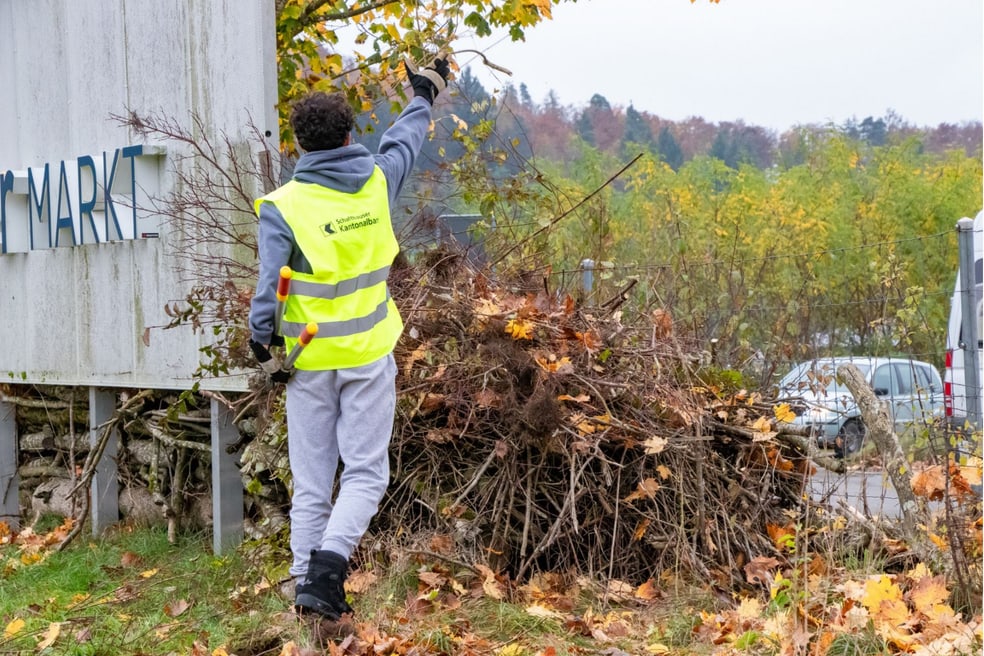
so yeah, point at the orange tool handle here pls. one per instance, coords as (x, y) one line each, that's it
(303, 340)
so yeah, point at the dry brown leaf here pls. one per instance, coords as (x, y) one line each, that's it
(782, 536)
(442, 543)
(655, 445)
(646, 489)
(359, 581)
(486, 398)
(490, 583)
(757, 570)
(130, 559)
(175, 608)
(432, 579)
(640, 529)
(930, 483)
(662, 323)
(648, 591)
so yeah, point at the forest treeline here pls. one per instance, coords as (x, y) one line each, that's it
(764, 248)
(550, 131)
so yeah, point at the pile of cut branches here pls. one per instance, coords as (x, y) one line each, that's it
(543, 435)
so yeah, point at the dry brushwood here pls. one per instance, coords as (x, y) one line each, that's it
(543, 437)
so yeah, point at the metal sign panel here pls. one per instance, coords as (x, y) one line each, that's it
(86, 269)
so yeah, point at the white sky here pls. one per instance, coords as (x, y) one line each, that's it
(773, 63)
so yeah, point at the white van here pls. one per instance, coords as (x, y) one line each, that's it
(955, 392)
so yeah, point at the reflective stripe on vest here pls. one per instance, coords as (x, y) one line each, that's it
(349, 243)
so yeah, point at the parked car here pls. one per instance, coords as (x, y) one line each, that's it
(910, 391)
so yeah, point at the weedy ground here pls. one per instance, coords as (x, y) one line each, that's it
(132, 592)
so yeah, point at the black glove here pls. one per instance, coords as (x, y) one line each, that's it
(267, 362)
(429, 81)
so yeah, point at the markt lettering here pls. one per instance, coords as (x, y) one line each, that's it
(87, 200)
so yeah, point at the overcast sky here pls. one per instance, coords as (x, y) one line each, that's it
(773, 63)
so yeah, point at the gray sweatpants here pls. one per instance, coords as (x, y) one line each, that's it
(345, 416)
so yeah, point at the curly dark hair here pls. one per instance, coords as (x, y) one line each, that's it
(321, 121)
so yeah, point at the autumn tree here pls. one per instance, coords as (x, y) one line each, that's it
(387, 31)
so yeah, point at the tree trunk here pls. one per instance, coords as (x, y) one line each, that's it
(879, 429)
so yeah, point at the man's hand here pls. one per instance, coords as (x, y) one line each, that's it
(268, 363)
(428, 82)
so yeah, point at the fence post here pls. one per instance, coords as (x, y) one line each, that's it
(968, 331)
(105, 490)
(587, 277)
(9, 481)
(227, 484)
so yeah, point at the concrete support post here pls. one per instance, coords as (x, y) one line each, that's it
(9, 482)
(227, 484)
(105, 489)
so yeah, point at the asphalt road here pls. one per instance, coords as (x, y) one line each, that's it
(869, 491)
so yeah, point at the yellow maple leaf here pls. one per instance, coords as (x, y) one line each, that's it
(879, 588)
(511, 649)
(146, 574)
(13, 628)
(783, 413)
(929, 592)
(520, 329)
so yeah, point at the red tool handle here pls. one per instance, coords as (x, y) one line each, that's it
(283, 285)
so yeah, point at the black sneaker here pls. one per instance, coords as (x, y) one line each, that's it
(322, 590)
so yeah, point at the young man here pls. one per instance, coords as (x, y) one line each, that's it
(331, 225)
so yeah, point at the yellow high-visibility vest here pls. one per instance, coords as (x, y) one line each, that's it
(348, 240)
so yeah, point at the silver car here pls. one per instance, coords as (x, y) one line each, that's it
(910, 391)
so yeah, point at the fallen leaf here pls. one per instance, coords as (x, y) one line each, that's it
(520, 329)
(647, 591)
(491, 585)
(929, 592)
(130, 559)
(655, 445)
(538, 610)
(640, 529)
(783, 413)
(646, 489)
(50, 635)
(146, 574)
(757, 570)
(359, 581)
(13, 628)
(175, 608)
(432, 579)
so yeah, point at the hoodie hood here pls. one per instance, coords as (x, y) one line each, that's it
(346, 169)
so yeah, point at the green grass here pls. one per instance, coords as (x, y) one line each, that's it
(125, 594)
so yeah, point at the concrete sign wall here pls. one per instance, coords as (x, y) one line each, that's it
(86, 268)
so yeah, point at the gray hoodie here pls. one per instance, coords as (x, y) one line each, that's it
(344, 169)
